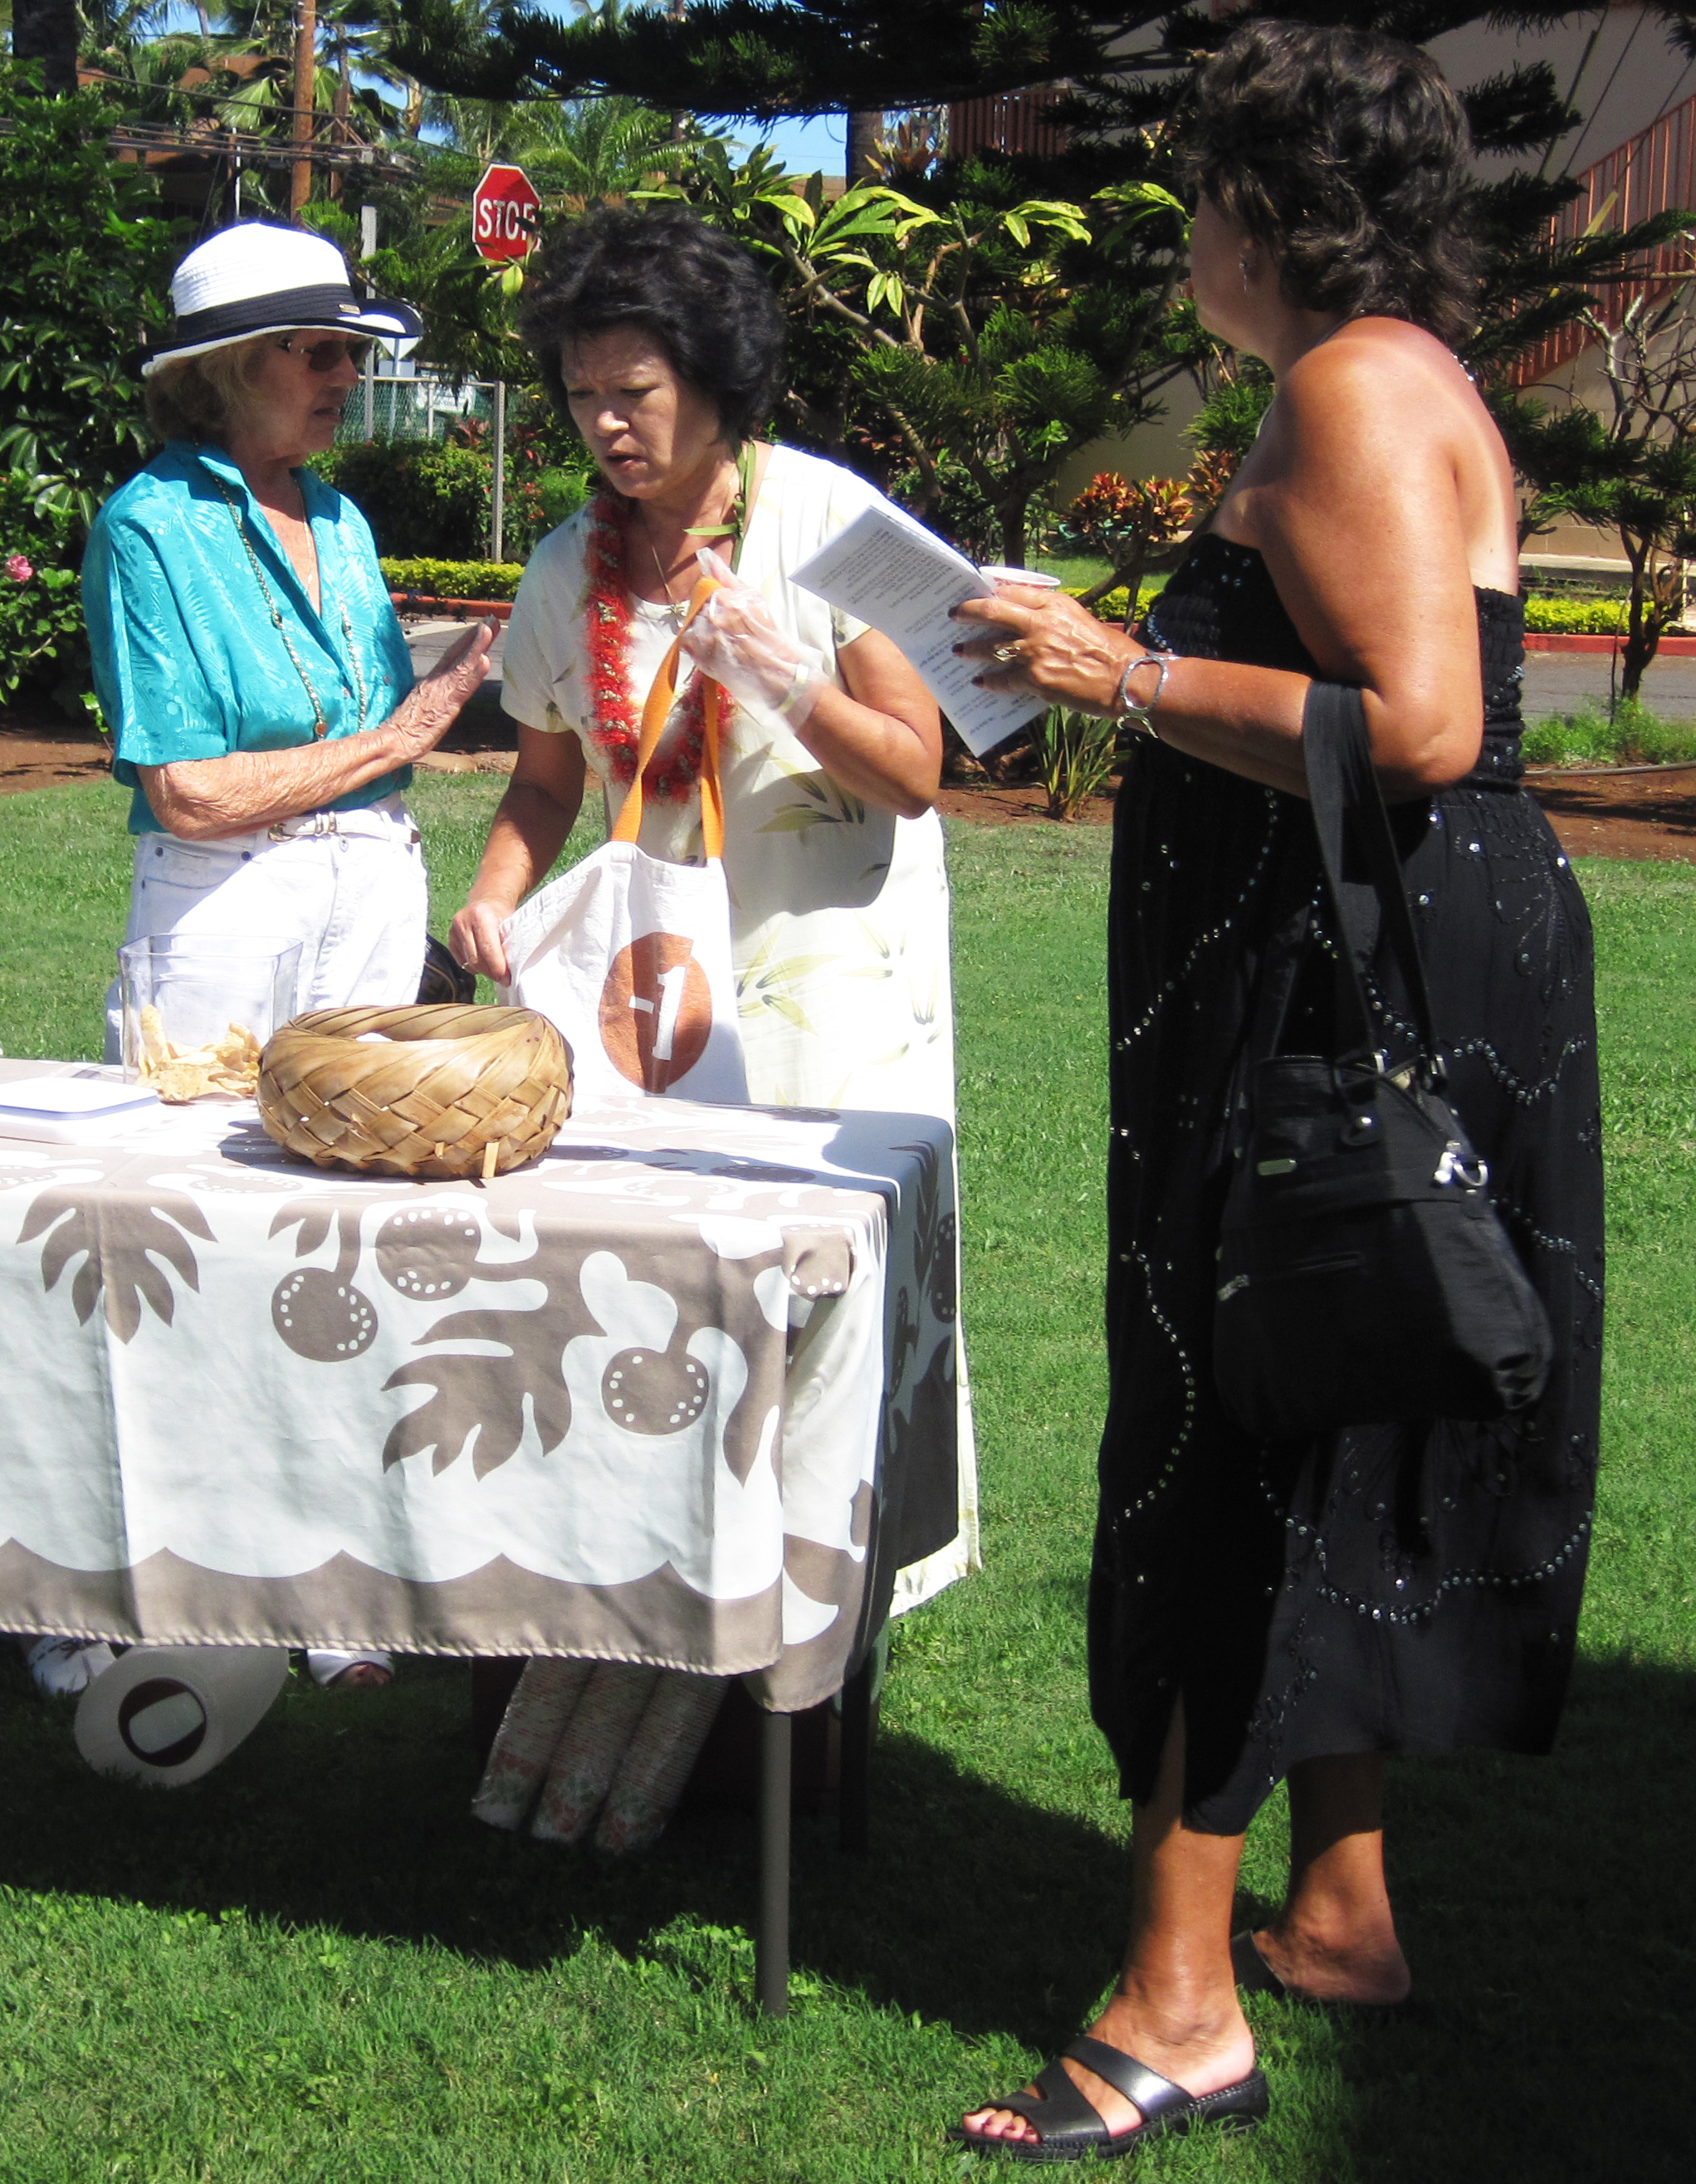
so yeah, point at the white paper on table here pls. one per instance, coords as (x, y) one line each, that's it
(68, 1107)
(886, 569)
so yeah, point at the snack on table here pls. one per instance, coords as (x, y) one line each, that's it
(229, 1067)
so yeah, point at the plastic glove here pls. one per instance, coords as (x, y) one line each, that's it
(734, 640)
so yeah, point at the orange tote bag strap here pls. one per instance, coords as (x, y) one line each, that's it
(656, 712)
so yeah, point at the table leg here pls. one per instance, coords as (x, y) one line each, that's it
(854, 1795)
(772, 1934)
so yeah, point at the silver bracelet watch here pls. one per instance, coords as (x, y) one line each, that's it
(1127, 708)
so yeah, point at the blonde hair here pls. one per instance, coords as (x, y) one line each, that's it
(201, 397)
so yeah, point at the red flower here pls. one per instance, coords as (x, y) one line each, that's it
(616, 729)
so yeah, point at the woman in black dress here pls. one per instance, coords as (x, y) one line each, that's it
(1263, 1610)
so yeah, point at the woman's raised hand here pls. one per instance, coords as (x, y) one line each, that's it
(734, 640)
(1027, 639)
(424, 716)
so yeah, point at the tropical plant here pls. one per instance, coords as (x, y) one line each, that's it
(84, 261)
(958, 326)
(1075, 754)
(1127, 525)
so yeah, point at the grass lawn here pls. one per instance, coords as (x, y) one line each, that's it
(314, 1966)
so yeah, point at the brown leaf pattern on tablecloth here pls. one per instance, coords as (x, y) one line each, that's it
(119, 1241)
(487, 1397)
(482, 1403)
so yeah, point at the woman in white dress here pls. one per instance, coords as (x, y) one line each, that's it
(662, 340)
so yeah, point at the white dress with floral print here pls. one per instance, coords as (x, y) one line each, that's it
(838, 911)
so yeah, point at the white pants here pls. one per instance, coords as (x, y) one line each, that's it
(354, 894)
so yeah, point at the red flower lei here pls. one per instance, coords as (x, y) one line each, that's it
(616, 718)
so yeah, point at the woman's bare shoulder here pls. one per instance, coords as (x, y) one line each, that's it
(1375, 364)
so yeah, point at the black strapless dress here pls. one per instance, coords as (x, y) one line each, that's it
(1389, 1589)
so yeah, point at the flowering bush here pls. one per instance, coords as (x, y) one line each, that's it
(1122, 521)
(43, 649)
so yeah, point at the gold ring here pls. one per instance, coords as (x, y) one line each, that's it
(1004, 654)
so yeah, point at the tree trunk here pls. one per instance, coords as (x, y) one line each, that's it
(863, 131)
(1642, 638)
(1654, 606)
(1012, 514)
(46, 30)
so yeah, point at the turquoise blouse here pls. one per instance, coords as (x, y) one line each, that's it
(187, 661)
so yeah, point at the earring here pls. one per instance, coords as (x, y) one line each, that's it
(1242, 267)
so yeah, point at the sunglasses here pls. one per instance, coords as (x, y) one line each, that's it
(325, 354)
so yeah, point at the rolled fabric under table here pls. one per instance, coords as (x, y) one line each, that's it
(536, 1718)
(659, 1759)
(589, 1754)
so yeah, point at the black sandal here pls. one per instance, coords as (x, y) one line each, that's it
(1072, 2127)
(1254, 1975)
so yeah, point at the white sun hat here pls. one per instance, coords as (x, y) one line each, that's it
(167, 1714)
(257, 279)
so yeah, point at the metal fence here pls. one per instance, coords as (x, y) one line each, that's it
(413, 408)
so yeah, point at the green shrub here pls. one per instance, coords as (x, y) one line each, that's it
(423, 497)
(1634, 735)
(1554, 614)
(563, 492)
(43, 646)
(1112, 605)
(451, 580)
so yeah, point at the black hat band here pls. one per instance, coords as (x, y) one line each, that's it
(322, 305)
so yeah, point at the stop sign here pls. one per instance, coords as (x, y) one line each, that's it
(504, 208)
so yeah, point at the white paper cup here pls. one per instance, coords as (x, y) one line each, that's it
(1039, 577)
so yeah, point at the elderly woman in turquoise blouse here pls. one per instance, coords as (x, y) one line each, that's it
(255, 678)
(256, 681)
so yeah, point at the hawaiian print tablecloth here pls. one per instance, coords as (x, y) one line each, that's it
(684, 1391)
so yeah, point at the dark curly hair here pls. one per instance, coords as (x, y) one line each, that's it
(1346, 155)
(701, 295)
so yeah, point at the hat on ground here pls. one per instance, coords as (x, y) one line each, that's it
(257, 279)
(167, 1714)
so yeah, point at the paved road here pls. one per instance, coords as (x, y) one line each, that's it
(1560, 682)
(482, 721)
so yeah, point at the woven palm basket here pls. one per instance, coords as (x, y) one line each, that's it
(423, 1097)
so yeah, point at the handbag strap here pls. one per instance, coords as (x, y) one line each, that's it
(656, 712)
(1337, 751)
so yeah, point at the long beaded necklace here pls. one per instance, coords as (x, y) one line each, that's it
(321, 726)
(615, 720)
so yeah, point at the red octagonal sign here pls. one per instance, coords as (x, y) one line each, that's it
(504, 208)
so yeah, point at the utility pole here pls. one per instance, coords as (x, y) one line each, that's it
(497, 511)
(305, 84)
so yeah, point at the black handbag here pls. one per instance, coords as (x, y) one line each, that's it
(1363, 1274)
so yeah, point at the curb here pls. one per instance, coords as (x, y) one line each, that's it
(451, 609)
(1670, 648)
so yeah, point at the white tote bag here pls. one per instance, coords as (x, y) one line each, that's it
(630, 956)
